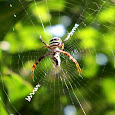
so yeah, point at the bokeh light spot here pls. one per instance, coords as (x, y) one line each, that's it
(101, 59)
(70, 110)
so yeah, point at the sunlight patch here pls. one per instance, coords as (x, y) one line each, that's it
(57, 30)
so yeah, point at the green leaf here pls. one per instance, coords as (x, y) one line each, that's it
(108, 86)
(2, 109)
(16, 86)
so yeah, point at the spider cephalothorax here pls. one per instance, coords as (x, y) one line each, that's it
(56, 47)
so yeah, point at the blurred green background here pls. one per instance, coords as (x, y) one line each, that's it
(93, 45)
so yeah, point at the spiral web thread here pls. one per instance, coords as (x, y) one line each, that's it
(71, 33)
(28, 98)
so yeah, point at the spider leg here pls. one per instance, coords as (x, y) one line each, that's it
(75, 61)
(62, 46)
(33, 67)
(46, 45)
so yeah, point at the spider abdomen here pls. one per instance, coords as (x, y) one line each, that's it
(55, 42)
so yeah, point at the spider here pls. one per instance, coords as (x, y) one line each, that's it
(56, 47)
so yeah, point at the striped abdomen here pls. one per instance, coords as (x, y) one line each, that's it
(55, 42)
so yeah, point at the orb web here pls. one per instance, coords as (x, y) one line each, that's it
(62, 90)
